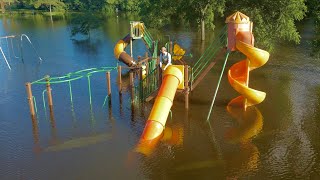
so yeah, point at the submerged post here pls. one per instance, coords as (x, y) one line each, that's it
(49, 92)
(30, 100)
(108, 83)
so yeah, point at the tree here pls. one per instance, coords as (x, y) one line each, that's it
(49, 4)
(3, 4)
(3, 10)
(273, 20)
(314, 12)
(203, 12)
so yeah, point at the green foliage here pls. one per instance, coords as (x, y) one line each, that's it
(313, 8)
(160, 13)
(57, 5)
(273, 20)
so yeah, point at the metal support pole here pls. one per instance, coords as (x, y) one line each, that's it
(5, 59)
(119, 78)
(131, 54)
(216, 91)
(186, 86)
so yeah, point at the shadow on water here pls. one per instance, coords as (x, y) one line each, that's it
(76, 142)
(87, 45)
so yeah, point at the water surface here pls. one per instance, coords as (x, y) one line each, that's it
(278, 138)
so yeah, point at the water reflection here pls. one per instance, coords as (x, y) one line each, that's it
(35, 134)
(170, 136)
(249, 122)
(244, 150)
(245, 157)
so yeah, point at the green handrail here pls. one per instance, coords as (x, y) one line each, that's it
(208, 54)
(73, 76)
(147, 37)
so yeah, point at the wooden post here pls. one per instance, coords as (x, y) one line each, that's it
(49, 92)
(120, 81)
(50, 102)
(108, 83)
(186, 86)
(30, 100)
(171, 48)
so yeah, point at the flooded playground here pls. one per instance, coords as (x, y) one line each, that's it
(89, 135)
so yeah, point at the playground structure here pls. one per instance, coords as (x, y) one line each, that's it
(240, 38)
(163, 86)
(9, 48)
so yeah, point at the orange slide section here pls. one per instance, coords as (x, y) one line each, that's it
(120, 53)
(153, 131)
(238, 74)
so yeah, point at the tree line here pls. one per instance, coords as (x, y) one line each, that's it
(105, 6)
(274, 19)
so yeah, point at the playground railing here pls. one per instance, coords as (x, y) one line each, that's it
(148, 85)
(148, 38)
(209, 54)
(68, 78)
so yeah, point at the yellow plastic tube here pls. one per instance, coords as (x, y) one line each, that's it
(158, 116)
(120, 53)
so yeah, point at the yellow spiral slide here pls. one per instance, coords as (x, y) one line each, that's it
(238, 74)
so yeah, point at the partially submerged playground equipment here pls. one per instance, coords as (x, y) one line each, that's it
(179, 78)
(8, 44)
(240, 38)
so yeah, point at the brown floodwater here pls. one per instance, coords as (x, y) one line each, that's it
(277, 139)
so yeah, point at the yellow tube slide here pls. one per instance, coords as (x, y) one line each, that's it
(158, 116)
(238, 74)
(120, 53)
